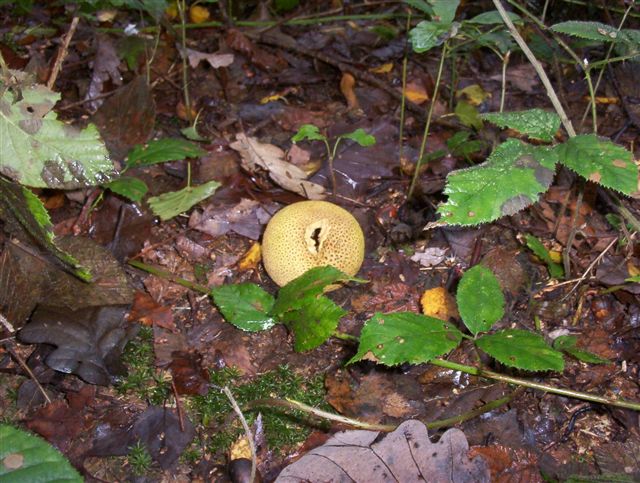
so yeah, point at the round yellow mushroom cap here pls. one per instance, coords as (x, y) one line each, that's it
(311, 234)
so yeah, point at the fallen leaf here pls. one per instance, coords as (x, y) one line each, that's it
(215, 59)
(271, 158)
(406, 454)
(416, 92)
(251, 258)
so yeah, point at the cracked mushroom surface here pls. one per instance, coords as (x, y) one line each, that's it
(311, 234)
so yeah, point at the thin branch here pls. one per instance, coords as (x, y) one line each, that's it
(62, 53)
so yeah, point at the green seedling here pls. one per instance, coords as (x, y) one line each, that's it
(139, 459)
(312, 133)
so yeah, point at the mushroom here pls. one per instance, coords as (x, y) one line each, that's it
(311, 234)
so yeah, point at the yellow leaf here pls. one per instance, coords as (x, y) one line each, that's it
(416, 93)
(251, 258)
(171, 11)
(475, 94)
(437, 302)
(632, 269)
(556, 256)
(383, 69)
(198, 14)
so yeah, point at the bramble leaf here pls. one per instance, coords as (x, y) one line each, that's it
(131, 188)
(511, 179)
(480, 299)
(246, 305)
(535, 123)
(168, 205)
(161, 151)
(406, 337)
(568, 344)
(521, 349)
(312, 322)
(597, 31)
(601, 161)
(38, 150)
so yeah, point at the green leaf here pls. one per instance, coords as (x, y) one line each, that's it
(361, 137)
(460, 145)
(421, 5)
(245, 305)
(444, 10)
(131, 188)
(492, 17)
(163, 150)
(536, 246)
(27, 218)
(427, 35)
(511, 179)
(191, 132)
(567, 343)
(25, 458)
(308, 285)
(406, 337)
(601, 161)
(168, 205)
(634, 279)
(468, 115)
(521, 349)
(312, 322)
(535, 123)
(310, 132)
(597, 31)
(38, 150)
(480, 299)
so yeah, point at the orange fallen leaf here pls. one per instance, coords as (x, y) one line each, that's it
(251, 258)
(382, 69)
(416, 92)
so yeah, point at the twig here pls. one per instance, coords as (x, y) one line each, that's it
(62, 53)
(178, 404)
(9, 346)
(590, 267)
(566, 122)
(247, 431)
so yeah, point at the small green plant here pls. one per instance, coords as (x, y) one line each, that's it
(281, 429)
(139, 459)
(312, 133)
(143, 379)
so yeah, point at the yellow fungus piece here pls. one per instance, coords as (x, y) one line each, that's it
(437, 302)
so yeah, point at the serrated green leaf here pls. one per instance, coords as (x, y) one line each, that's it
(163, 150)
(535, 123)
(511, 179)
(38, 150)
(310, 132)
(312, 322)
(597, 31)
(521, 349)
(567, 343)
(480, 299)
(427, 35)
(444, 10)
(601, 161)
(131, 188)
(25, 458)
(246, 305)
(493, 17)
(536, 246)
(308, 285)
(468, 115)
(361, 137)
(168, 205)
(25, 215)
(406, 337)
(421, 5)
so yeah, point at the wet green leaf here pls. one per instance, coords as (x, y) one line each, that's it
(246, 305)
(597, 31)
(535, 123)
(163, 150)
(312, 322)
(600, 161)
(406, 337)
(131, 188)
(480, 299)
(521, 349)
(38, 150)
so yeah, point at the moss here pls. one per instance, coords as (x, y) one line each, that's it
(281, 429)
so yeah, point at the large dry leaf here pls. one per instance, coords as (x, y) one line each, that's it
(406, 454)
(271, 158)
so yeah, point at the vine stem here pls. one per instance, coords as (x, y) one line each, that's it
(475, 371)
(551, 93)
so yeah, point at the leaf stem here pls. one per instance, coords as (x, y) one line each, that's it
(475, 371)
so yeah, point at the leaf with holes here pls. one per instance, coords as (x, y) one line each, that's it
(535, 123)
(521, 349)
(406, 337)
(512, 178)
(38, 150)
(601, 161)
(26, 458)
(246, 305)
(480, 299)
